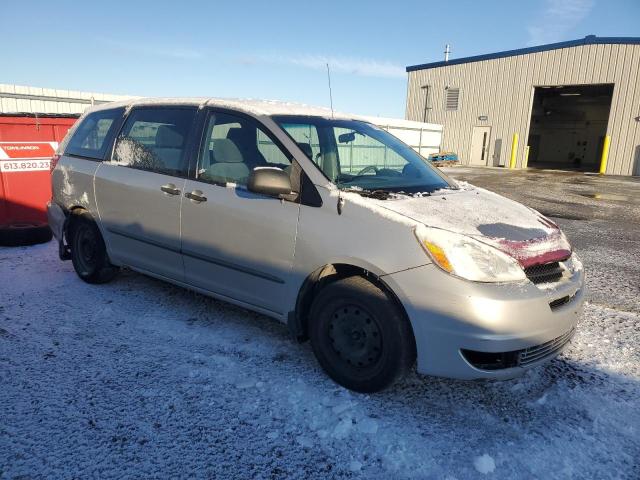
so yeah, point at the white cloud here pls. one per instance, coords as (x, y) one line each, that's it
(355, 66)
(152, 50)
(558, 18)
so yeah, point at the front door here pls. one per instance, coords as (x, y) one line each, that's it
(237, 243)
(480, 145)
(139, 191)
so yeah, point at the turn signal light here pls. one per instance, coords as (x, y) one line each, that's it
(438, 256)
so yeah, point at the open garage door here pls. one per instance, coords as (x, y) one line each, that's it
(568, 125)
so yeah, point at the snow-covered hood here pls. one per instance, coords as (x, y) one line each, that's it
(515, 229)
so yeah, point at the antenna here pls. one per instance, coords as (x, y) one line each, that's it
(330, 94)
(447, 51)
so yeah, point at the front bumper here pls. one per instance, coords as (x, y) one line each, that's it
(450, 316)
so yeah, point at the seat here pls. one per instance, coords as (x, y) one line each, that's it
(228, 163)
(306, 149)
(245, 139)
(168, 147)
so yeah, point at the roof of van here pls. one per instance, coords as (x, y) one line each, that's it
(251, 106)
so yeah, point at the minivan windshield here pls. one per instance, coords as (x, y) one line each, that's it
(357, 155)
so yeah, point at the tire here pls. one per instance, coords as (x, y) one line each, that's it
(25, 234)
(360, 336)
(88, 252)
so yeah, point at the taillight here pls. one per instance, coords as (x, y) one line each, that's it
(53, 162)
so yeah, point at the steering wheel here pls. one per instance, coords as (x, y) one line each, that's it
(369, 168)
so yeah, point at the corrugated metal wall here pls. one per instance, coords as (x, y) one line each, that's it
(23, 99)
(503, 88)
(424, 138)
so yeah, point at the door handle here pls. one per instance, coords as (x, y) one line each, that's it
(170, 188)
(196, 196)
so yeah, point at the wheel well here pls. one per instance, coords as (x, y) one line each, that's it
(298, 320)
(72, 213)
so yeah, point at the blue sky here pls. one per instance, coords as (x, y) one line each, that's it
(277, 49)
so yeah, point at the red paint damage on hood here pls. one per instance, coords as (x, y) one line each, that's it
(538, 251)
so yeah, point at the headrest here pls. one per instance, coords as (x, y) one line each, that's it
(306, 148)
(225, 151)
(168, 137)
(242, 137)
(410, 170)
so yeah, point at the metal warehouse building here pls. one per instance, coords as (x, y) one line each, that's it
(569, 105)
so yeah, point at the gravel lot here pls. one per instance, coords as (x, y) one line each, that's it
(139, 379)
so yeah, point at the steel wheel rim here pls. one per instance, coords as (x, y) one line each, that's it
(87, 247)
(355, 336)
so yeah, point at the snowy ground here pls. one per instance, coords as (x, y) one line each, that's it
(141, 379)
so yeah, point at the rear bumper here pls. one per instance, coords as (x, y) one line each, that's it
(458, 324)
(57, 219)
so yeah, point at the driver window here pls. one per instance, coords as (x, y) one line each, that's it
(363, 155)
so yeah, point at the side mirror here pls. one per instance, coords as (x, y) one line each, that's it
(269, 181)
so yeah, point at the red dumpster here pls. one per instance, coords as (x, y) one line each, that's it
(27, 143)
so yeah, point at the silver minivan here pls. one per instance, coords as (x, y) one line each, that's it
(325, 222)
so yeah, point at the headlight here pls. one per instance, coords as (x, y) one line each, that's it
(467, 258)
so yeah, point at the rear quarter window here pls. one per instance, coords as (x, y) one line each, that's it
(94, 135)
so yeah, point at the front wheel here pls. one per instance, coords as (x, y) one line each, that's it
(360, 336)
(88, 251)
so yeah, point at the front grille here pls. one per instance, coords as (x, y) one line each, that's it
(549, 272)
(533, 354)
(516, 358)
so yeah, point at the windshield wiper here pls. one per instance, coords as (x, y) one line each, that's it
(377, 194)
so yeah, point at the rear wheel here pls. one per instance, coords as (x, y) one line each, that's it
(360, 336)
(88, 251)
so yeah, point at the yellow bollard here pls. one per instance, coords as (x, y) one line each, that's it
(605, 154)
(514, 151)
(526, 157)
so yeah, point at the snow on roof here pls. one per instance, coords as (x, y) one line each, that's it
(273, 107)
(249, 105)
